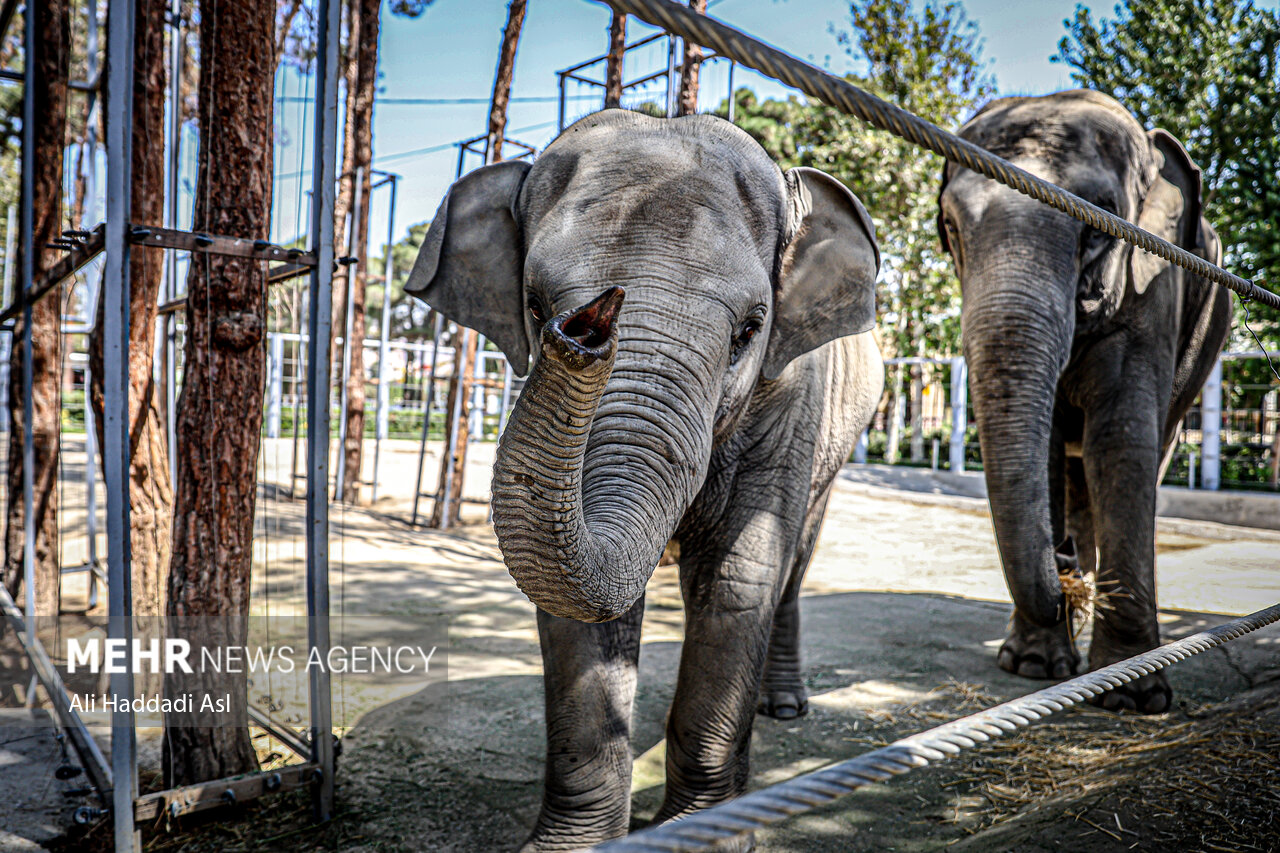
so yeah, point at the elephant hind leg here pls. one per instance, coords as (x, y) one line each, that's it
(783, 695)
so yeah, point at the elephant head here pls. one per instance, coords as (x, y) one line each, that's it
(653, 271)
(1034, 281)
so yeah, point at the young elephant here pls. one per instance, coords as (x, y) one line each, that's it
(700, 330)
(1084, 354)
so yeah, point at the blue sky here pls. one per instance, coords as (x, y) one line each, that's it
(451, 50)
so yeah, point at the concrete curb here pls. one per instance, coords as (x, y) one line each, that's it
(1208, 515)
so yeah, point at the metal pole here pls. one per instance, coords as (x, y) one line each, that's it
(91, 488)
(860, 449)
(275, 384)
(672, 92)
(426, 412)
(732, 106)
(384, 392)
(171, 220)
(318, 327)
(8, 255)
(353, 238)
(508, 375)
(1211, 429)
(559, 116)
(959, 410)
(115, 336)
(27, 239)
(479, 396)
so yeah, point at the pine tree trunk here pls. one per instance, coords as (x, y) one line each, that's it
(150, 490)
(346, 194)
(613, 62)
(51, 58)
(453, 466)
(220, 410)
(690, 68)
(366, 61)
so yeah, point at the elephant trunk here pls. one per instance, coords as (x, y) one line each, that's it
(1018, 324)
(585, 501)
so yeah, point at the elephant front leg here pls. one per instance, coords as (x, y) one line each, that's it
(590, 684)
(1032, 651)
(1122, 457)
(783, 695)
(728, 621)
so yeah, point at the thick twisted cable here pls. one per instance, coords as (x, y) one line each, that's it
(845, 96)
(758, 809)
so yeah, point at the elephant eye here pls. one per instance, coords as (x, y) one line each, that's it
(746, 332)
(537, 308)
(1092, 244)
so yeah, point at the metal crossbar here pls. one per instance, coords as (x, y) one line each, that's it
(771, 805)
(847, 97)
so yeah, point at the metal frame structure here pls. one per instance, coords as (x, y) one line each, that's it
(116, 783)
(672, 71)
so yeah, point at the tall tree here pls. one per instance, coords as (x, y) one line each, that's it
(220, 410)
(363, 72)
(453, 465)
(928, 61)
(613, 60)
(49, 57)
(1217, 92)
(150, 489)
(690, 67)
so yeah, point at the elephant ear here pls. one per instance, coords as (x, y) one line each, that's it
(827, 269)
(471, 264)
(1170, 209)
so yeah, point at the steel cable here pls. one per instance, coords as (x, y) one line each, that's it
(845, 96)
(805, 793)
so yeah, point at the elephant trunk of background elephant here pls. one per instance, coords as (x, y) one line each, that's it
(580, 526)
(1018, 325)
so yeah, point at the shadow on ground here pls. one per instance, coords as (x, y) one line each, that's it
(881, 666)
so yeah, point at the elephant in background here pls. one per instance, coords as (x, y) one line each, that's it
(1084, 354)
(699, 325)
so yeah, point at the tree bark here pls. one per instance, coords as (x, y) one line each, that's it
(361, 136)
(613, 62)
(50, 58)
(150, 489)
(346, 193)
(453, 466)
(502, 79)
(220, 410)
(689, 70)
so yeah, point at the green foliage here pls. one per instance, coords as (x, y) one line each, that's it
(928, 61)
(1208, 71)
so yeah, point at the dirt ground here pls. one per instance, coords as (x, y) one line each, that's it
(904, 609)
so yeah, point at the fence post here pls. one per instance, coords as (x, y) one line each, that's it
(959, 410)
(275, 385)
(860, 449)
(1211, 429)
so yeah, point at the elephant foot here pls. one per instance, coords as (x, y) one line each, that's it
(1150, 694)
(551, 842)
(784, 704)
(1034, 652)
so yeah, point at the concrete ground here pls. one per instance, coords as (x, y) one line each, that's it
(903, 611)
